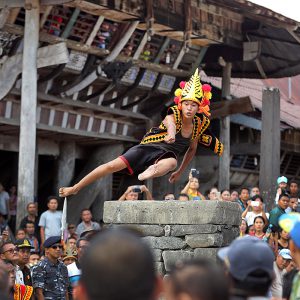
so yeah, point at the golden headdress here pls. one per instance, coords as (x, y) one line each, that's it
(193, 90)
(69, 253)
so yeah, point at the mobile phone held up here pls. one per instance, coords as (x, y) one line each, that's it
(137, 189)
(195, 173)
(255, 203)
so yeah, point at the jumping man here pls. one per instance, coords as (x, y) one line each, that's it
(185, 125)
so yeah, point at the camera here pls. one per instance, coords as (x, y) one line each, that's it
(195, 173)
(137, 189)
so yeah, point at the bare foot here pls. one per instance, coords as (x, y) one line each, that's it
(67, 191)
(148, 173)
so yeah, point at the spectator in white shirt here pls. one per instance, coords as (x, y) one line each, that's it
(254, 209)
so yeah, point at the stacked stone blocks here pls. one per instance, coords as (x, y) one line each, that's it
(177, 230)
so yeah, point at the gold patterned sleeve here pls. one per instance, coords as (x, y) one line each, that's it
(208, 140)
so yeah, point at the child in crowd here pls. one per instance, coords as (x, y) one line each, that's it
(20, 235)
(282, 187)
(183, 128)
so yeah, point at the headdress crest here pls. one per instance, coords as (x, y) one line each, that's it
(193, 90)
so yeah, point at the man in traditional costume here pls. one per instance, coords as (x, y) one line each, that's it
(184, 127)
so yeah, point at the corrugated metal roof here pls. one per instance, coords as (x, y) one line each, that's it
(241, 87)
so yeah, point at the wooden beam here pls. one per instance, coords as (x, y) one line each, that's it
(12, 3)
(122, 42)
(13, 15)
(141, 46)
(260, 68)
(100, 189)
(45, 15)
(46, 56)
(294, 35)
(246, 121)
(96, 108)
(55, 2)
(45, 37)
(4, 14)
(179, 57)
(157, 67)
(245, 149)
(115, 15)
(23, 3)
(28, 110)
(224, 160)
(51, 39)
(72, 132)
(45, 147)
(270, 145)
(162, 50)
(66, 164)
(188, 23)
(199, 59)
(95, 31)
(71, 23)
(236, 106)
(111, 57)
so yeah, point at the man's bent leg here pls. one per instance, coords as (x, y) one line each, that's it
(113, 166)
(161, 168)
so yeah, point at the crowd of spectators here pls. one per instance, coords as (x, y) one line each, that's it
(36, 262)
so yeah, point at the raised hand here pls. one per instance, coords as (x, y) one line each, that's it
(169, 138)
(67, 191)
(174, 177)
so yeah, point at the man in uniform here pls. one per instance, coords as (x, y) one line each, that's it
(50, 276)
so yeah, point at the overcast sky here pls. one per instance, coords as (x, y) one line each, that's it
(288, 8)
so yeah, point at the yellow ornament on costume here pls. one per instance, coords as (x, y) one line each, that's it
(193, 89)
(178, 92)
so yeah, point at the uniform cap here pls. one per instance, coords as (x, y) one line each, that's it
(23, 243)
(51, 241)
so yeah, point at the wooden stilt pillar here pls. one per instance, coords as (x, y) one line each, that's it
(66, 165)
(224, 161)
(270, 145)
(36, 172)
(27, 144)
(99, 191)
